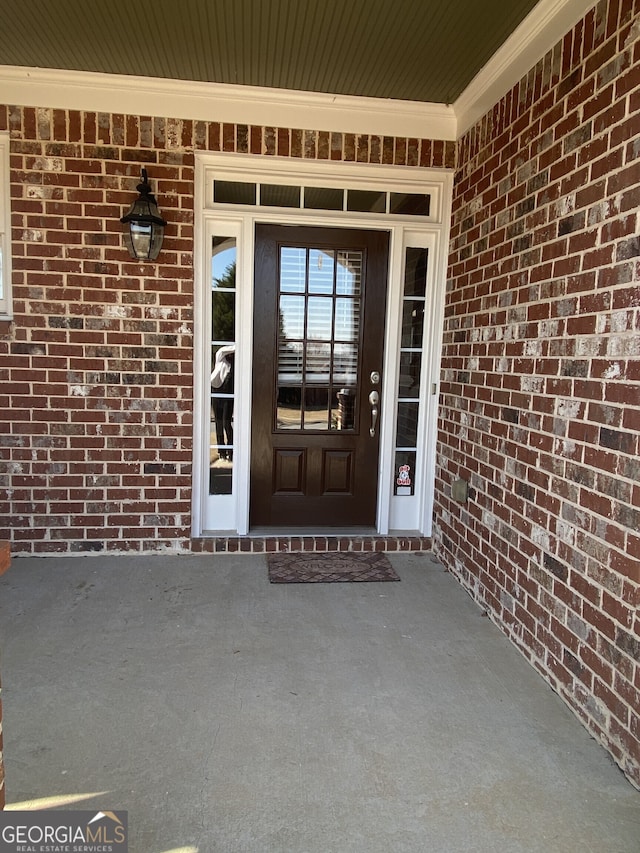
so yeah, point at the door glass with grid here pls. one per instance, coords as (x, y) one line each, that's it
(318, 338)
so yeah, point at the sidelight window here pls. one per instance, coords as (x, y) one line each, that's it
(223, 348)
(411, 357)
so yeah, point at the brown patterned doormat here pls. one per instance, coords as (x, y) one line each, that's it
(332, 567)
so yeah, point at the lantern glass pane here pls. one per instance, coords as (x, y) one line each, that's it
(140, 233)
(157, 232)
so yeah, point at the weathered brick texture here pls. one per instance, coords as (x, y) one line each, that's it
(541, 372)
(97, 366)
(96, 369)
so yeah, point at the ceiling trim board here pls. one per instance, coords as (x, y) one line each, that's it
(253, 105)
(540, 31)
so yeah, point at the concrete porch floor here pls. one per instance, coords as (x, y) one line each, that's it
(228, 715)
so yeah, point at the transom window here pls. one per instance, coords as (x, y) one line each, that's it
(321, 198)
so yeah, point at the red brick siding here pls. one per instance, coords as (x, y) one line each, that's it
(540, 407)
(96, 369)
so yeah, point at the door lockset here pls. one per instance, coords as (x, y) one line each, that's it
(374, 399)
(375, 377)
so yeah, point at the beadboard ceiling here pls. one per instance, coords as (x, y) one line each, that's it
(408, 50)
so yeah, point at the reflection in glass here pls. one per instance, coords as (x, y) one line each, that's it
(347, 319)
(407, 426)
(409, 204)
(222, 387)
(412, 323)
(344, 416)
(223, 262)
(367, 201)
(415, 274)
(220, 474)
(345, 364)
(409, 381)
(348, 273)
(290, 361)
(275, 195)
(292, 317)
(234, 192)
(221, 444)
(323, 198)
(317, 361)
(223, 303)
(319, 319)
(223, 315)
(289, 411)
(413, 316)
(293, 269)
(321, 270)
(318, 338)
(316, 408)
(223, 421)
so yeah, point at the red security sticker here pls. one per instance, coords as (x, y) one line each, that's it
(404, 475)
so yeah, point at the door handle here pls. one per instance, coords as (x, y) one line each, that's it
(374, 399)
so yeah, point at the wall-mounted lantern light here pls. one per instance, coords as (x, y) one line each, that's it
(146, 227)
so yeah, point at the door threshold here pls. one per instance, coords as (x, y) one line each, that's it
(313, 531)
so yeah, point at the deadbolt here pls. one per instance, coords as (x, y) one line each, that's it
(375, 377)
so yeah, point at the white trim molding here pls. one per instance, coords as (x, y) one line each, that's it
(540, 31)
(6, 304)
(253, 105)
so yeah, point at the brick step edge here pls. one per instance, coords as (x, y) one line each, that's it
(317, 544)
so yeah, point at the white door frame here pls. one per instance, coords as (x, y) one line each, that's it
(229, 514)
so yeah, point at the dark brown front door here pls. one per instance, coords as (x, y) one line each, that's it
(320, 297)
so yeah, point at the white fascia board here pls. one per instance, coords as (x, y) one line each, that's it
(252, 105)
(540, 31)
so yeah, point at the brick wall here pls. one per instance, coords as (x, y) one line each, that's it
(541, 372)
(96, 370)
